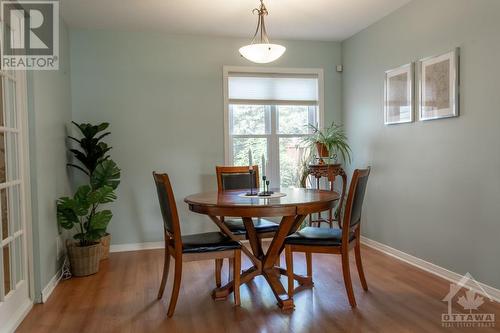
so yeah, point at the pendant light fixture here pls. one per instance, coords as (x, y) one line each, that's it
(262, 52)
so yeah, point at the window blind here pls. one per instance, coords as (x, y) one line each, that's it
(272, 89)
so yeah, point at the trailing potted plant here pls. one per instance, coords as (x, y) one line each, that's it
(329, 142)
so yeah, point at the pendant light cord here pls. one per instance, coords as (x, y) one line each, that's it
(262, 11)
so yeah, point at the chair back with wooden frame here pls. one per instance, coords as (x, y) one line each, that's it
(198, 249)
(168, 207)
(236, 177)
(354, 204)
(321, 240)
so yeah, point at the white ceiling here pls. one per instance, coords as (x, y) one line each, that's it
(329, 20)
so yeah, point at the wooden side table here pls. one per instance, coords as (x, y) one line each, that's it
(329, 171)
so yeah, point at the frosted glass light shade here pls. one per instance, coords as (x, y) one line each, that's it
(262, 53)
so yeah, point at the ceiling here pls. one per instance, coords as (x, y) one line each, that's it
(328, 20)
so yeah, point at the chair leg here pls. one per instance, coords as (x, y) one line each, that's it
(289, 269)
(347, 278)
(166, 266)
(218, 269)
(359, 265)
(176, 287)
(230, 275)
(278, 261)
(309, 264)
(236, 274)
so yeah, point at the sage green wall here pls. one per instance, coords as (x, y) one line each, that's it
(49, 110)
(434, 190)
(163, 97)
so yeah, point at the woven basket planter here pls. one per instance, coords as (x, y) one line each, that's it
(105, 242)
(84, 260)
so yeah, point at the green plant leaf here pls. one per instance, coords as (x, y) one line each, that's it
(102, 126)
(106, 173)
(100, 220)
(82, 196)
(100, 137)
(74, 139)
(102, 195)
(66, 216)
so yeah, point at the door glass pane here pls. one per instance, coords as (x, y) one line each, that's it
(292, 153)
(3, 174)
(12, 156)
(248, 119)
(14, 201)
(5, 215)
(6, 270)
(10, 103)
(18, 248)
(293, 119)
(258, 146)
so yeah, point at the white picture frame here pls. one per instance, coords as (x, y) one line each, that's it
(438, 93)
(399, 95)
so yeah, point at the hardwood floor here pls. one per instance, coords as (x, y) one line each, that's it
(122, 298)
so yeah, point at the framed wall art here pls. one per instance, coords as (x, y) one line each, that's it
(438, 95)
(398, 95)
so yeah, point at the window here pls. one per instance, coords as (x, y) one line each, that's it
(267, 112)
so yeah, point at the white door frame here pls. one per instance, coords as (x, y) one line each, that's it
(22, 310)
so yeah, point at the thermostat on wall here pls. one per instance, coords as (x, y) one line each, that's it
(340, 68)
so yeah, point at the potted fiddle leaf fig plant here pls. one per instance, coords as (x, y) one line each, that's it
(93, 157)
(83, 212)
(329, 142)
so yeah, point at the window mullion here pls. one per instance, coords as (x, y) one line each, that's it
(274, 161)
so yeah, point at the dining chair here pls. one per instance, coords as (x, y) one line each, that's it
(204, 246)
(336, 241)
(238, 178)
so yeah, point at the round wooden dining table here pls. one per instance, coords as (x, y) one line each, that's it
(292, 208)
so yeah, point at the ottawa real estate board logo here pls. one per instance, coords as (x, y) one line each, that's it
(30, 35)
(467, 295)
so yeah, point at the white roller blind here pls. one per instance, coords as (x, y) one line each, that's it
(272, 89)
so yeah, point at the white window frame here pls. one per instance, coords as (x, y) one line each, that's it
(317, 72)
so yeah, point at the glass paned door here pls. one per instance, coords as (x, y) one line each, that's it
(14, 282)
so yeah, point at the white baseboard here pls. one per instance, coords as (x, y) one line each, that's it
(17, 318)
(444, 273)
(136, 246)
(49, 288)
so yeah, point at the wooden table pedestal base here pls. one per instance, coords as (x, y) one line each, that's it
(264, 263)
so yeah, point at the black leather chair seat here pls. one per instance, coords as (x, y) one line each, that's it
(317, 236)
(261, 225)
(208, 242)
